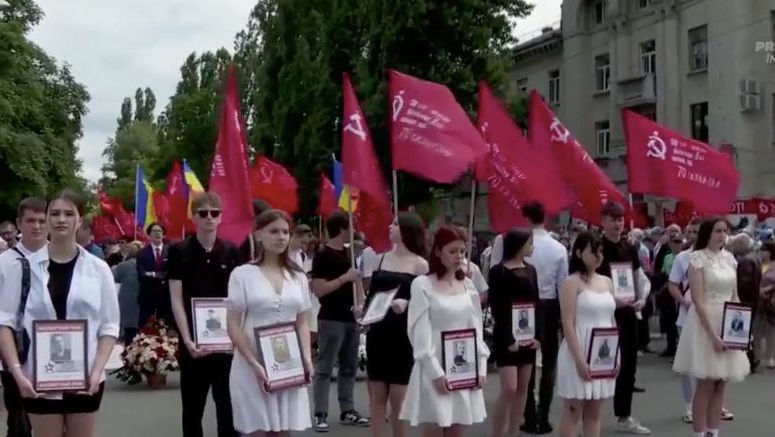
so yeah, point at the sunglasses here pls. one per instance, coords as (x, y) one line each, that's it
(214, 213)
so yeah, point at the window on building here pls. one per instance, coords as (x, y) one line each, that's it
(522, 85)
(698, 48)
(554, 87)
(648, 57)
(602, 138)
(602, 72)
(599, 11)
(700, 121)
(643, 4)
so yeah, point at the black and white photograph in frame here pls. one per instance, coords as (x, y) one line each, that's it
(279, 350)
(624, 281)
(378, 307)
(460, 359)
(59, 355)
(209, 319)
(602, 352)
(523, 322)
(736, 325)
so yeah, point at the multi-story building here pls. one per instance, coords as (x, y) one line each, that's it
(705, 68)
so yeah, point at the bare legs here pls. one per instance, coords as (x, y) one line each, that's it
(511, 402)
(381, 394)
(270, 434)
(59, 425)
(706, 408)
(435, 431)
(576, 410)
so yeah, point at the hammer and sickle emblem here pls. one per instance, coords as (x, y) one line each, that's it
(266, 174)
(398, 104)
(656, 147)
(355, 127)
(559, 132)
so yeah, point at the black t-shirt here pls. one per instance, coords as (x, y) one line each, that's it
(621, 252)
(60, 277)
(330, 264)
(204, 274)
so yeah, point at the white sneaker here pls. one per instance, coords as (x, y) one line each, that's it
(631, 425)
(687, 417)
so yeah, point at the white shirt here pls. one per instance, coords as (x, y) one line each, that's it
(476, 276)
(550, 258)
(368, 262)
(10, 256)
(92, 297)
(297, 256)
(679, 275)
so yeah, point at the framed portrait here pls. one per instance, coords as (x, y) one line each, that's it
(736, 325)
(624, 281)
(460, 358)
(378, 307)
(280, 352)
(602, 352)
(209, 320)
(59, 353)
(523, 322)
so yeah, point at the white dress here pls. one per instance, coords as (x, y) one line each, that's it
(430, 313)
(695, 355)
(254, 410)
(593, 310)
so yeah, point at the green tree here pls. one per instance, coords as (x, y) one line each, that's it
(41, 111)
(293, 54)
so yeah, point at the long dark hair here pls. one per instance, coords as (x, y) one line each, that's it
(706, 231)
(263, 219)
(514, 241)
(583, 240)
(444, 235)
(412, 232)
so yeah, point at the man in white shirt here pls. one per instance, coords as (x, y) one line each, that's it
(550, 260)
(31, 219)
(297, 248)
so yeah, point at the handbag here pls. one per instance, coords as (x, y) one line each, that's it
(21, 337)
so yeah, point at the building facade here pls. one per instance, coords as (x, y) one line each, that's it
(705, 68)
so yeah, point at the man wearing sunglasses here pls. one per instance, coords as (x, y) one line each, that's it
(200, 267)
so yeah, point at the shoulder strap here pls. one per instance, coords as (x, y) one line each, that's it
(25, 286)
(379, 267)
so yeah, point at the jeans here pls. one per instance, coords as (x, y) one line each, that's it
(336, 340)
(18, 422)
(628, 347)
(196, 378)
(548, 322)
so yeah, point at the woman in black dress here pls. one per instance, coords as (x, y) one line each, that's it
(513, 281)
(388, 350)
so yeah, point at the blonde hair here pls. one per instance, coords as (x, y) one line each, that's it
(133, 248)
(205, 199)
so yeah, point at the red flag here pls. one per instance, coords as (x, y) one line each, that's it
(432, 136)
(584, 178)
(272, 183)
(663, 162)
(177, 203)
(229, 171)
(162, 207)
(514, 170)
(362, 172)
(105, 228)
(327, 204)
(109, 205)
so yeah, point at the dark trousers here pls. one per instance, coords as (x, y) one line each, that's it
(547, 322)
(668, 315)
(147, 309)
(197, 376)
(18, 422)
(628, 348)
(644, 331)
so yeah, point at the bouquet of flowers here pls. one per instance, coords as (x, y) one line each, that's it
(152, 352)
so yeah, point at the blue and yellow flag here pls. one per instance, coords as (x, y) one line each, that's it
(342, 190)
(145, 212)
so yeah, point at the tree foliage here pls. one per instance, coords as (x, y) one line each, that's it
(41, 111)
(293, 53)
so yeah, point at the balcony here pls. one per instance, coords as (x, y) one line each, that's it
(637, 91)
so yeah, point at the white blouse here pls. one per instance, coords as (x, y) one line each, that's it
(92, 297)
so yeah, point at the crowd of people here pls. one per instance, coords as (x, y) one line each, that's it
(53, 269)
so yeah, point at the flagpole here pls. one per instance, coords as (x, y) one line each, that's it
(632, 212)
(471, 220)
(352, 242)
(137, 193)
(395, 193)
(320, 228)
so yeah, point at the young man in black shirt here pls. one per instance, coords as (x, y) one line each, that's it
(338, 338)
(616, 250)
(200, 267)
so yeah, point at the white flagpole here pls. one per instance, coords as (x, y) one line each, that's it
(471, 220)
(395, 193)
(352, 241)
(632, 212)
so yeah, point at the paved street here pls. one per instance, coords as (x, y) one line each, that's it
(136, 411)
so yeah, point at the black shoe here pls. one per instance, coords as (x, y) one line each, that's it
(320, 424)
(529, 427)
(544, 428)
(638, 390)
(354, 418)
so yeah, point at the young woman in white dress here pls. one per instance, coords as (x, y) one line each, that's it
(701, 352)
(270, 290)
(443, 300)
(586, 302)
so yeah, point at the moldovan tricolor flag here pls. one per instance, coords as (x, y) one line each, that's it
(229, 171)
(361, 171)
(584, 178)
(431, 135)
(663, 162)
